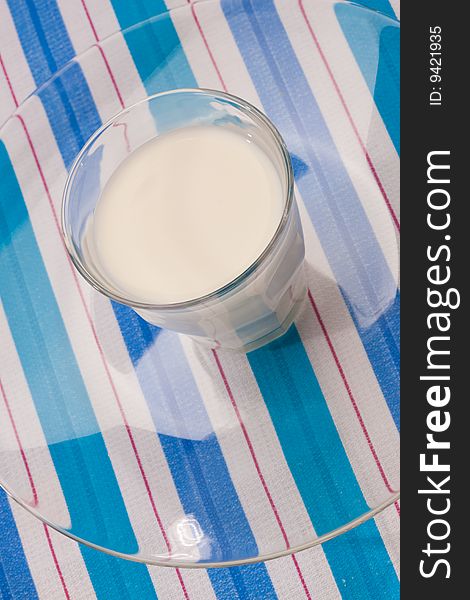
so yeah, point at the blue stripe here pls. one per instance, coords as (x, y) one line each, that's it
(63, 407)
(158, 56)
(67, 100)
(345, 233)
(313, 450)
(131, 13)
(71, 111)
(43, 36)
(15, 576)
(4, 587)
(382, 6)
(387, 86)
(375, 43)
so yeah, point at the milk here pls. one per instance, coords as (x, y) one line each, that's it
(186, 214)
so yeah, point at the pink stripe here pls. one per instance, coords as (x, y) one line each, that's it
(8, 82)
(20, 446)
(33, 489)
(90, 21)
(118, 93)
(351, 396)
(108, 68)
(206, 44)
(111, 75)
(351, 120)
(301, 577)
(250, 446)
(126, 137)
(258, 468)
(100, 349)
(56, 562)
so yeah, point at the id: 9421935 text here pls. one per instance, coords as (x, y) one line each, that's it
(435, 65)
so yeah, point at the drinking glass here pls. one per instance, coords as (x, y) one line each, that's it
(261, 303)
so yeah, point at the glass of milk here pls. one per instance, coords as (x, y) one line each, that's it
(182, 207)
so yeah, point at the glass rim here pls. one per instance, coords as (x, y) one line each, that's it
(288, 194)
(179, 563)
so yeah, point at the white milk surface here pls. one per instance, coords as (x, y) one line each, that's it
(185, 214)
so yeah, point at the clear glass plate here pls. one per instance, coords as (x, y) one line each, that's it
(138, 442)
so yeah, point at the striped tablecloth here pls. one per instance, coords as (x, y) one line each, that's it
(278, 62)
